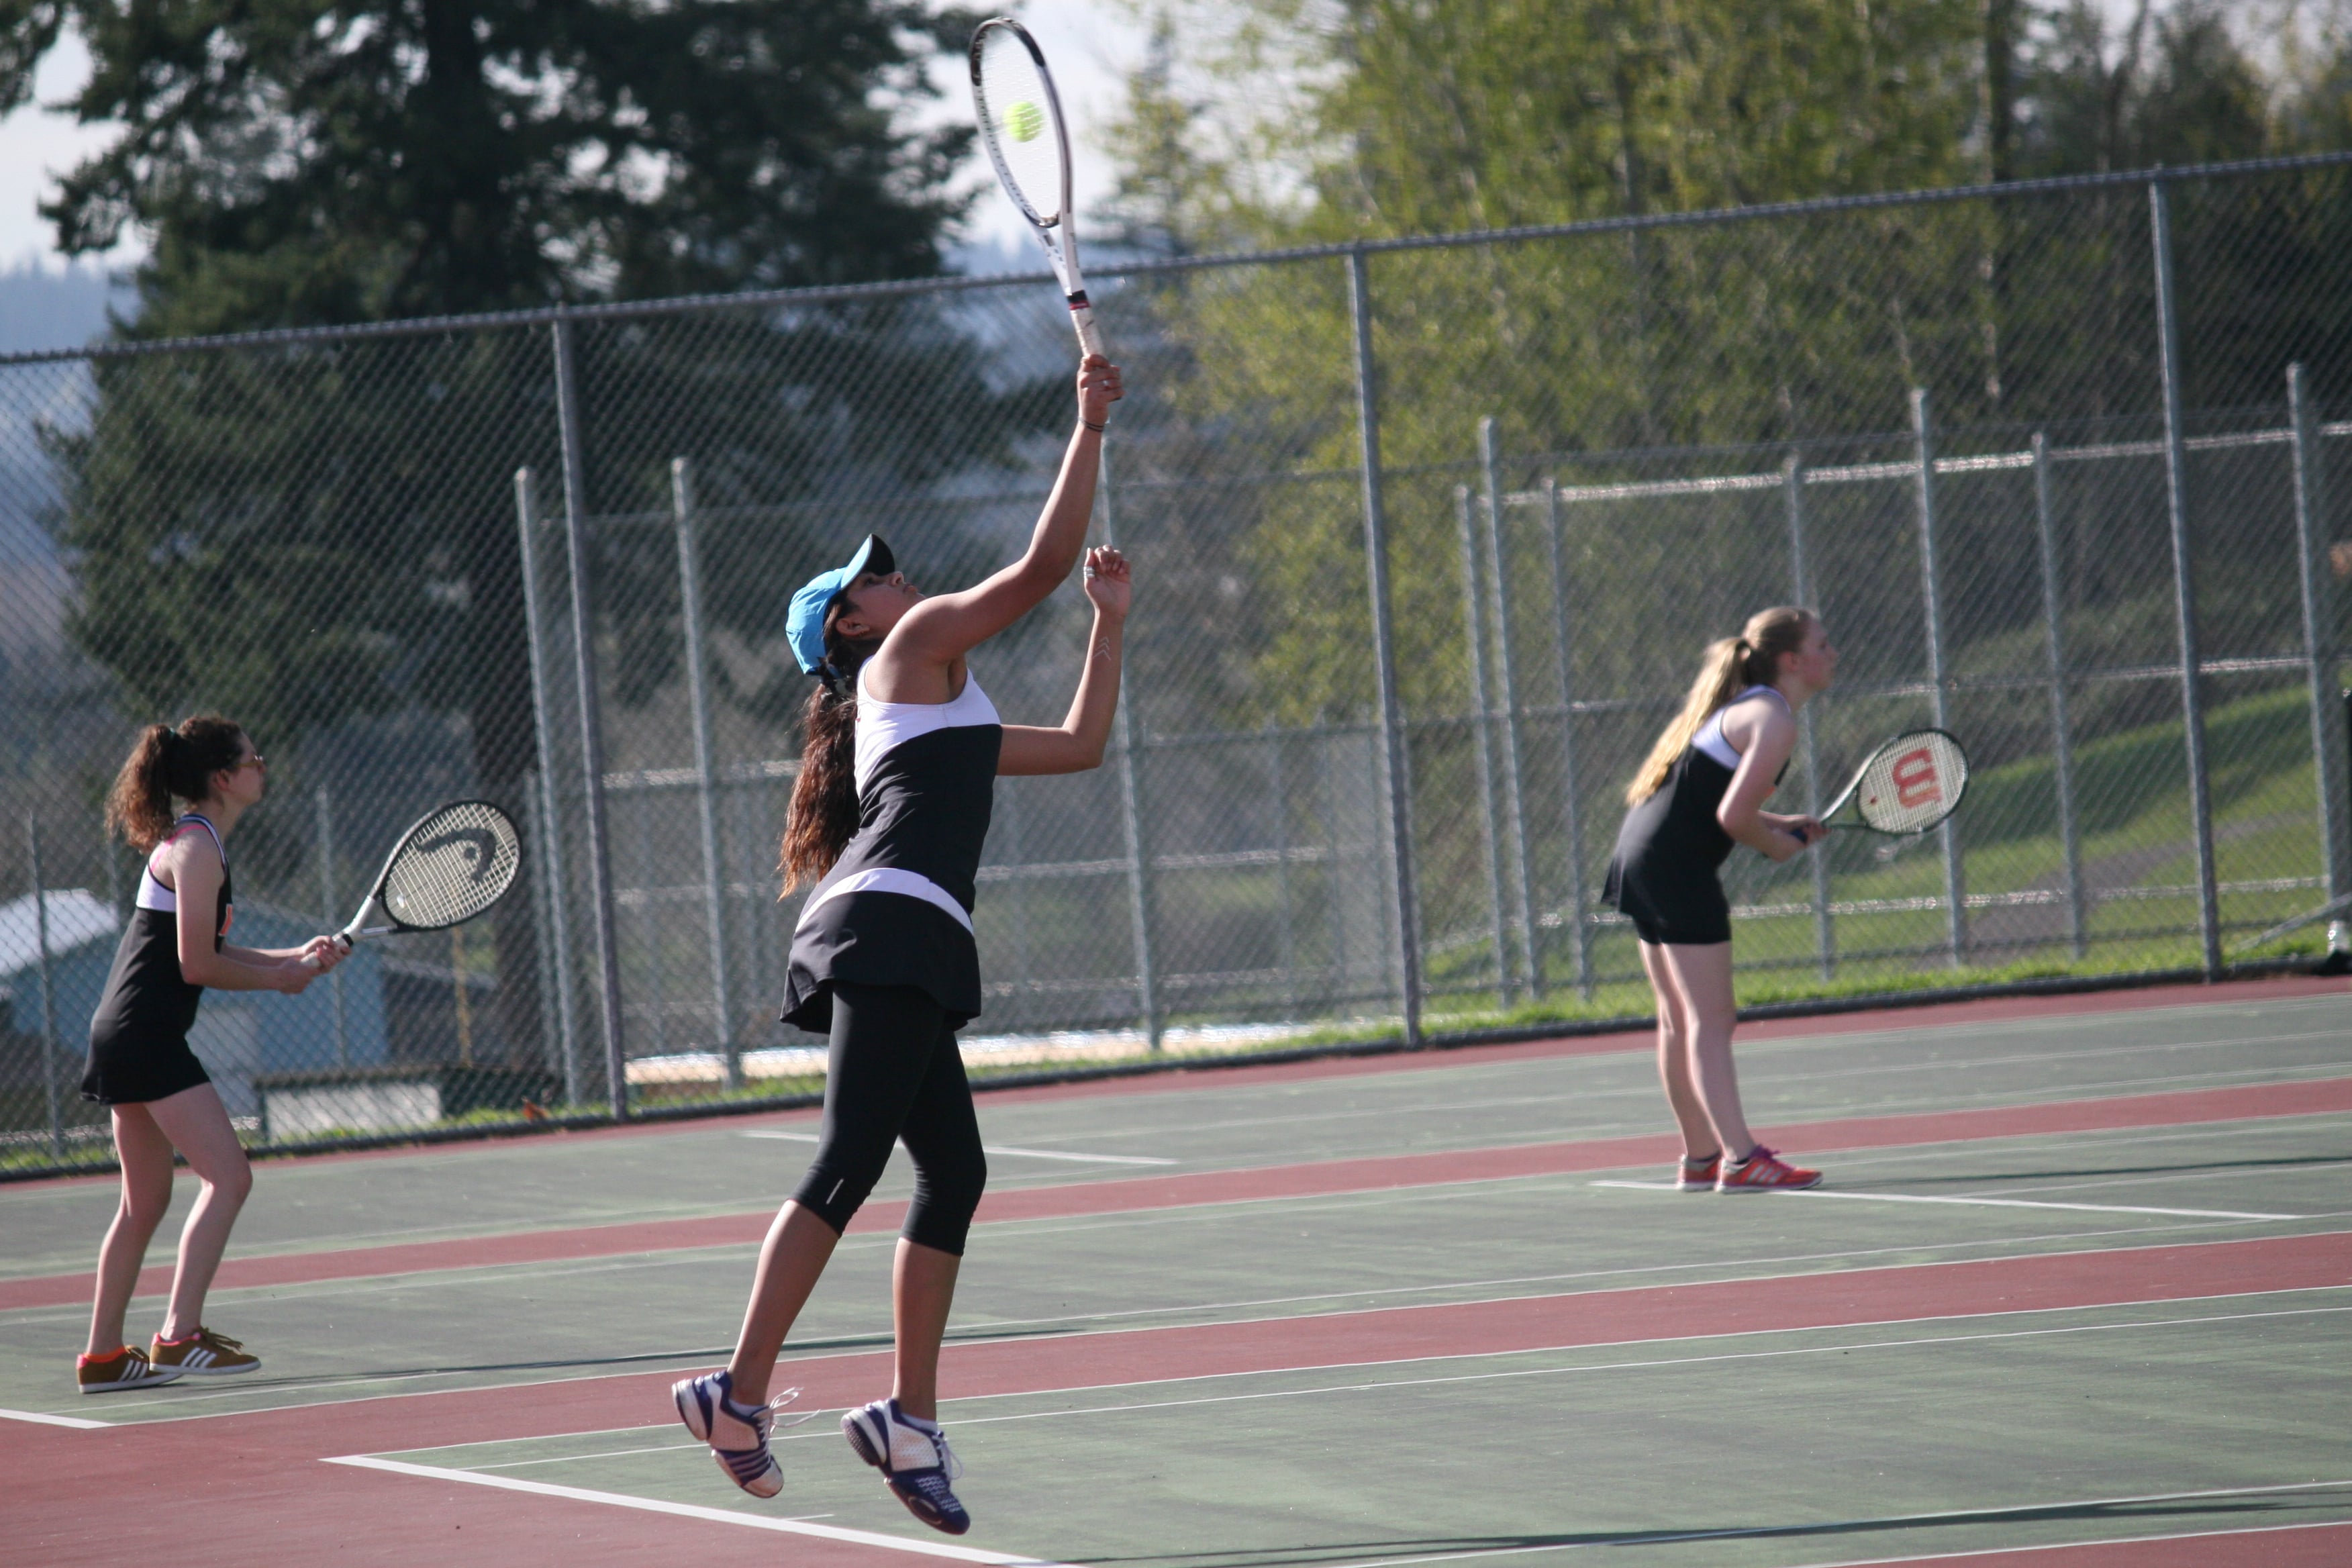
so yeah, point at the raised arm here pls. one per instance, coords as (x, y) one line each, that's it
(1078, 744)
(946, 628)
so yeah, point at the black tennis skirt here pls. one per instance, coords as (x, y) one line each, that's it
(134, 1067)
(1670, 905)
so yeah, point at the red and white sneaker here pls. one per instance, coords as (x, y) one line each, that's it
(1765, 1171)
(1698, 1175)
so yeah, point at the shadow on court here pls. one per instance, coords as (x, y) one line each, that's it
(2216, 1512)
(647, 1358)
(2192, 1168)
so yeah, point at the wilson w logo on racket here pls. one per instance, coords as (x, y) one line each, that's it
(455, 862)
(1915, 780)
(1909, 785)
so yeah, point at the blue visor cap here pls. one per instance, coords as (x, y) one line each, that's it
(804, 627)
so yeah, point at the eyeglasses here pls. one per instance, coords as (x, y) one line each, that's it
(255, 761)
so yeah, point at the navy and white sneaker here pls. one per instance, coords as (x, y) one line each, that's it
(915, 1459)
(737, 1433)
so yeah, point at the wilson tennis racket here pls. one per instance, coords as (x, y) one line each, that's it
(1909, 785)
(1021, 126)
(457, 861)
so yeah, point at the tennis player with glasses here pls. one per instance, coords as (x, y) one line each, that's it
(1701, 790)
(887, 817)
(140, 1068)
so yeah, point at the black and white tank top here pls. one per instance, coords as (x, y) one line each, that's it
(896, 908)
(145, 991)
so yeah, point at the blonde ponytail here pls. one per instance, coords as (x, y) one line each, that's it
(1732, 665)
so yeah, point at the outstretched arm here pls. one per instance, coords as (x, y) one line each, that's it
(946, 628)
(1078, 744)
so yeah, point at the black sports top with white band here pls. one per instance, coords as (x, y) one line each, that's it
(1671, 844)
(146, 995)
(896, 908)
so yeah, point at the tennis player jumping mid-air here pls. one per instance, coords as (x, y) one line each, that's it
(887, 817)
(159, 1095)
(1701, 790)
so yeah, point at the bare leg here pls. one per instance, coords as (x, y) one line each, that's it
(1703, 975)
(798, 1248)
(922, 1290)
(1674, 1058)
(146, 1157)
(198, 1126)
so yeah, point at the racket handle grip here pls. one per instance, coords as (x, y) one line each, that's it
(1082, 317)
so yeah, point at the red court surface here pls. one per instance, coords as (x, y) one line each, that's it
(93, 1483)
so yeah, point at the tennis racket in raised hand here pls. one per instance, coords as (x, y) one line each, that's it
(1021, 126)
(457, 861)
(1909, 786)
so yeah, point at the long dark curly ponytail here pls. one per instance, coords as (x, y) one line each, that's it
(165, 765)
(824, 814)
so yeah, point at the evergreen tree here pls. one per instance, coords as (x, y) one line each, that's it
(304, 533)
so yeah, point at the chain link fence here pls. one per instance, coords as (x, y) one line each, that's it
(1429, 536)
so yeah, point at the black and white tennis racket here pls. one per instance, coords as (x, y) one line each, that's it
(1909, 786)
(457, 861)
(1021, 126)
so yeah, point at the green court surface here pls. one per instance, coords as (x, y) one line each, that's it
(2075, 1277)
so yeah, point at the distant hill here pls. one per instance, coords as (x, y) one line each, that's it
(44, 307)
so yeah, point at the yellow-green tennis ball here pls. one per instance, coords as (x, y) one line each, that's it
(1023, 119)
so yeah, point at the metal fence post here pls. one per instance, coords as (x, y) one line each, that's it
(1279, 787)
(2319, 643)
(2061, 730)
(1570, 805)
(1515, 815)
(551, 854)
(1931, 587)
(1393, 757)
(592, 736)
(1801, 584)
(1130, 810)
(330, 903)
(706, 788)
(49, 990)
(2176, 493)
(1483, 742)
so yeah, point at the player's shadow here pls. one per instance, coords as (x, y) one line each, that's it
(2220, 1512)
(2179, 1169)
(685, 1358)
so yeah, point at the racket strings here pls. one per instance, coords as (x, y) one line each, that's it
(1013, 95)
(1912, 783)
(452, 866)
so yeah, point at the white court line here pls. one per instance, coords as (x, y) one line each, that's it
(992, 1149)
(40, 1419)
(1977, 1203)
(1762, 1530)
(691, 1510)
(2069, 1545)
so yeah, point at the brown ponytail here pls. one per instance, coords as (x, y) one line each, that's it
(168, 764)
(1751, 658)
(824, 814)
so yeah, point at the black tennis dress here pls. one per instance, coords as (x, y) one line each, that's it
(139, 1036)
(1665, 874)
(896, 908)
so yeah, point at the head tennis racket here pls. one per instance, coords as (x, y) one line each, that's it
(1021, 126)
(457, 861)
(1909, 785)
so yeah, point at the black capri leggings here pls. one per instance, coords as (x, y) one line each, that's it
(893, 1072)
